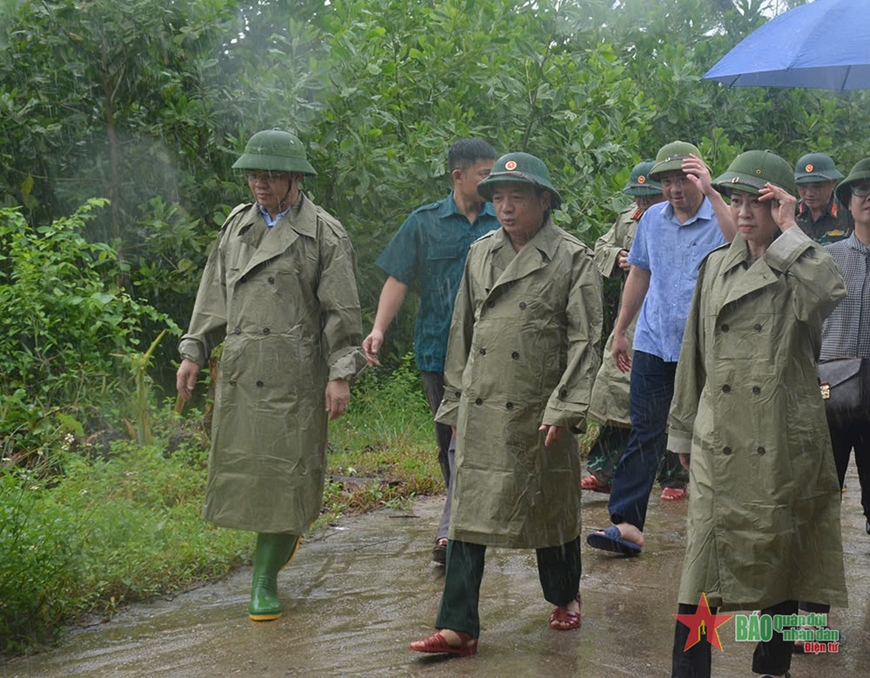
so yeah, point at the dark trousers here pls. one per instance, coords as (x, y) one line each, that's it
(773, 657)
(650, 395)
(559, 570)
(846, 436)
(433, 387)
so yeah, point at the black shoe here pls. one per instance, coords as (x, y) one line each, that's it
(439, 553)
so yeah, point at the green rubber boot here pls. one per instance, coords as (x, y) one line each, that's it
(273, 552)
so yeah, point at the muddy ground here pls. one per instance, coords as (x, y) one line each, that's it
(356, 595)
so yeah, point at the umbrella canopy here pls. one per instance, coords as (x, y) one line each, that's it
(824, 44)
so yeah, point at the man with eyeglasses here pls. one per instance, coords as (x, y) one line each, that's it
(818, 213)
(672, 239)
(279, 291)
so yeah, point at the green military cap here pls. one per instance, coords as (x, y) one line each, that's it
(640, 183)
(274, 150)
(860, 172)
(750, 171)
(670, 157)
(519, 167)
(815, 167)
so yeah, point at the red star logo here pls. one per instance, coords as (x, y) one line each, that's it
(703, 622)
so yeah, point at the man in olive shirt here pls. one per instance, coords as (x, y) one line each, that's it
(819, 215)
(429, 252)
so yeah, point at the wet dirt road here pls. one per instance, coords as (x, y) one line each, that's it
(357, 595)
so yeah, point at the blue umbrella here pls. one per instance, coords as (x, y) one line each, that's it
(823, 44)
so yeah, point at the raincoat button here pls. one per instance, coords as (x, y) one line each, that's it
(478, 401)
(260, 384)
(756, 390)
(726, 450)
(726, 389)
(510, 406)
(266, 330)
(271, 280)
(761, 450)
(238, 330)
(725, 327)
(515, 355)
(757, 327)
(483, 351)
(490, 304)
(522, 306)
(458, 394)
(563, 393)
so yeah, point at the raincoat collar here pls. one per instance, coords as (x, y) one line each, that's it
(277, 239)
(766, 270)
(757, 276)
(537, 253)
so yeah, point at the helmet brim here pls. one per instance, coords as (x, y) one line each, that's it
(485, 188)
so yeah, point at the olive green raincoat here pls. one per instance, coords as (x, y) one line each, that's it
(764, 500)
(609, 401)
(284, 302)
(521, 354)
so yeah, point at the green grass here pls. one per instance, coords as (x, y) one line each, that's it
(94, 528)
(105, 527)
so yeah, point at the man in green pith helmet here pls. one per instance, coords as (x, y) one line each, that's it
(520, 363)
(818, 213)
(279, 291)
(609, 404)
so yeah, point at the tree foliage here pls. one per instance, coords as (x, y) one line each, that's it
(148, 103)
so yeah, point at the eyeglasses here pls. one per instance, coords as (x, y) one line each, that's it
(269, 176)
(861, 191)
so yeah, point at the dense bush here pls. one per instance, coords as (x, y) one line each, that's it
(69, 326)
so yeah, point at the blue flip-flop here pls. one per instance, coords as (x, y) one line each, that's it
(611, 540)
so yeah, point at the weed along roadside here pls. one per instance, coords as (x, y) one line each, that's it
(96, 525)
(361, 590)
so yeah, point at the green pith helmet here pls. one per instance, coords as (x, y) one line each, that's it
(670, 158)
(274, 150)
(640, 183)
(750, 171)
(815, 167)
(860, 172)
(520, 167)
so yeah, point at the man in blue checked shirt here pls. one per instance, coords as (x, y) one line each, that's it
(428, 252)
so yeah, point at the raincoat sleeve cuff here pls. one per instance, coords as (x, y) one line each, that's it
(785, 250)
(568, 415)
(605, 261)
(347, 364)
(191, 349)
(448, 412)
(678, 443)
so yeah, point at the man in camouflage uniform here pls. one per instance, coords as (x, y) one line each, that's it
(819, 215)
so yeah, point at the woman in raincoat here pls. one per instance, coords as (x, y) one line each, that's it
(520, 363)
(747, 416)
(279, 291)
